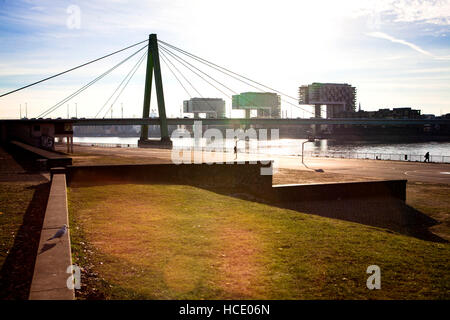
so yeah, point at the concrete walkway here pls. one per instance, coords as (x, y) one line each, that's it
(54, 256)
(369, 169)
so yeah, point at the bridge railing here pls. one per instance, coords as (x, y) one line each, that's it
(379, 156)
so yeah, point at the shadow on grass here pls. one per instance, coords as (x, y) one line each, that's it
(17, 271)
(391, 214)
(388, 213)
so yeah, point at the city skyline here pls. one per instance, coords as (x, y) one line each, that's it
(396, 53)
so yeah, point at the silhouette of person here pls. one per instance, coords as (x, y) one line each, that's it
(235, 151)
(427, 157)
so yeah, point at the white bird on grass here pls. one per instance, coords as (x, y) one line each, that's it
(59, 233)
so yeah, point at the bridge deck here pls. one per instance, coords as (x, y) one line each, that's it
(232, 121)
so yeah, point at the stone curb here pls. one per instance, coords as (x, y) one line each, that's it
(54, 256)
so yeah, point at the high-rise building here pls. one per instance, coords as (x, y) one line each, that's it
(267, 104)
(338, 97)
(212, 107)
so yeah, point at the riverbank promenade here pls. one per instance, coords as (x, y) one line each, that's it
(334, 169)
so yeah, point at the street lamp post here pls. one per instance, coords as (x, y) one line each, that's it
(303, 147)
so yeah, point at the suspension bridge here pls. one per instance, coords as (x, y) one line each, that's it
(176, 59)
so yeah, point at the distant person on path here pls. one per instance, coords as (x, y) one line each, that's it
(427, 157)
(235, 151)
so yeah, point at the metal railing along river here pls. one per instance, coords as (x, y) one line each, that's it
(379, 156)
(107, 145)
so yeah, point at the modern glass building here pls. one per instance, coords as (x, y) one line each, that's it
(267, 104)
(212, 107)
(338, 97)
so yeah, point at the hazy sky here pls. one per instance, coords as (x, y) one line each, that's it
(396, 53)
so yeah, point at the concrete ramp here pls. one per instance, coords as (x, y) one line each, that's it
(54, 159)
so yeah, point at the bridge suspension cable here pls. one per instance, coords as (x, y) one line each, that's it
(181, 73)
(71, 69)
(127, 78)
(232, 74)
(59, 104)
(164, 57)
(178, 58)
(128, 81)
(191, 67)
(234, 77)
(211, 63)
(173, 73)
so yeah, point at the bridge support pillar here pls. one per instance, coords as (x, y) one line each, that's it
(153, 66)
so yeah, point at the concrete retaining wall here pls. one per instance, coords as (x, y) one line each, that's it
(245, 177)
(239, 177)
(54, 256)
(343, 190)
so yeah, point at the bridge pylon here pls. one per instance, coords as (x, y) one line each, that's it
(154, 67)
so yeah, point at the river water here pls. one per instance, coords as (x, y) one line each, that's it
(439, 151)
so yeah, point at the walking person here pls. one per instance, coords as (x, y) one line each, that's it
(235, 151)
(427, 157)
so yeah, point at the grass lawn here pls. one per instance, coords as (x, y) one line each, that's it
(22, 207)
(181, 242)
